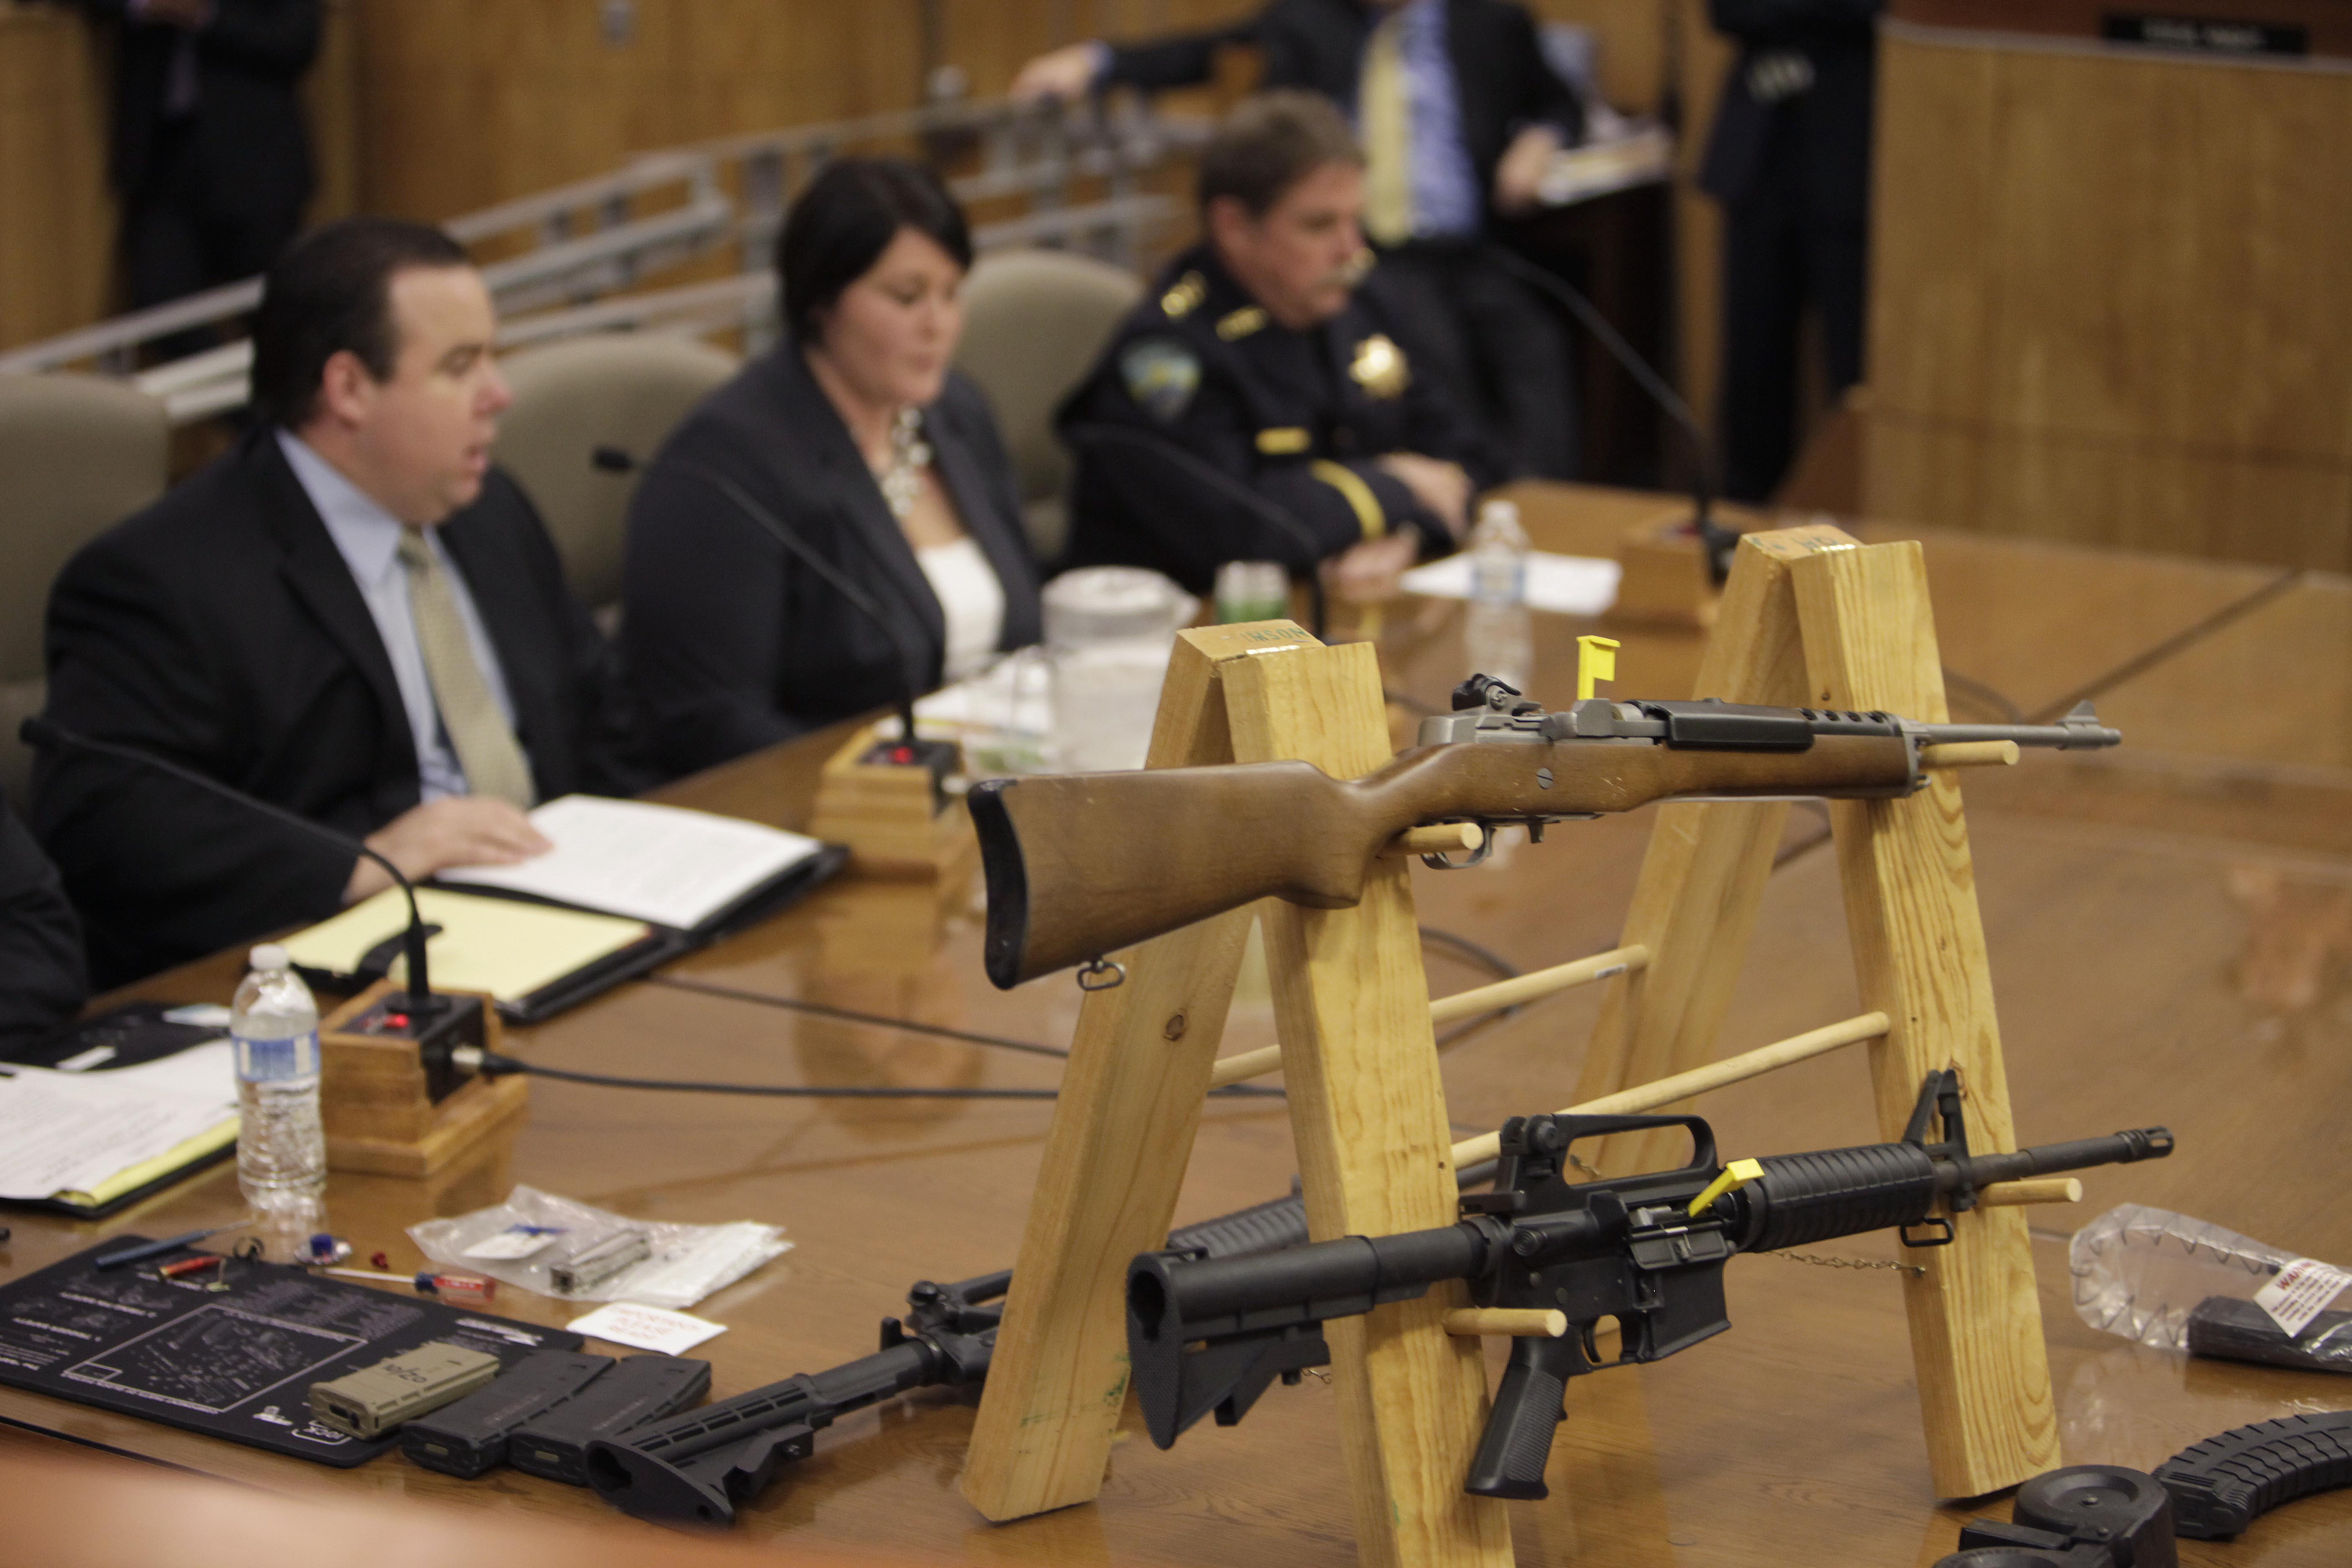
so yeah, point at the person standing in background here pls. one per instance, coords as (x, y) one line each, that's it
(211, 159)
(1789, 161)
(1459, 116)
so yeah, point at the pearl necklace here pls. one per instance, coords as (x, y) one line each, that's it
(911, 455)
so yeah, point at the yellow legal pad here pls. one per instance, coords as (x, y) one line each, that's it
(509, 949)
(181, 1156)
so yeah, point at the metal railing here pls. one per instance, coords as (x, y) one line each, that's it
(573, 258)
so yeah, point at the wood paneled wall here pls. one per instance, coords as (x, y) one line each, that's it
(57, 223)
(2110, 298)
(431, 108)
(466, 104)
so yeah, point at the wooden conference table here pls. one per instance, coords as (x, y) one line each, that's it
(2166, 939)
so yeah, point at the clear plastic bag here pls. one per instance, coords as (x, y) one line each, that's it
(2184, 1284)
(523, 1240)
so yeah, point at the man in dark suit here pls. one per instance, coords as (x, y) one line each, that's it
(211, 160)
(41, 980)
(350, 615)
(1459, 116)
(1790, 159)
(1256, 404)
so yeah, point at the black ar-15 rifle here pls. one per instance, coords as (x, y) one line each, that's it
(1080, 865)
(1213, 1333)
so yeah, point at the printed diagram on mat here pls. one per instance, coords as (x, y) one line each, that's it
(213, 1360)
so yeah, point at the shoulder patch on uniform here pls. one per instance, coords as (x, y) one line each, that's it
(1160, 374)
(1380, 367)
(1184, 296)
(1240, 324)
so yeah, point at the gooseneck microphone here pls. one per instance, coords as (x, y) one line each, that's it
(1232, 490)
(1717, 541)
(40, 733)
(619, 460)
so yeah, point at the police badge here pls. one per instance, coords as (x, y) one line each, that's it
(1162, 374)
(1380, 367)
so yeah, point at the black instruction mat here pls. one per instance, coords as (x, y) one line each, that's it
(236, 1363)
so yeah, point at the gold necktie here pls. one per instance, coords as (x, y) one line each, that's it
(479, 732)
(1387, 137)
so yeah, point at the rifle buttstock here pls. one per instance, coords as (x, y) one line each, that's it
(1082, 865)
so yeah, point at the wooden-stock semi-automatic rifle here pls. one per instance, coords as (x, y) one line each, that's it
(1082, 864)
(1213, 1333)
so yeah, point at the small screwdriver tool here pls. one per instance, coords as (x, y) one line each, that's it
(427, 1282)
(147, 1249)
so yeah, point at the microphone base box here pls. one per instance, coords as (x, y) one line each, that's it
(895, 817)
(391, 1103)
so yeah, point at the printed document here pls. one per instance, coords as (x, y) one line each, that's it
(660, 863)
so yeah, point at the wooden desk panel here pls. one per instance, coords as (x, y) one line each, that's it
(2101, 278)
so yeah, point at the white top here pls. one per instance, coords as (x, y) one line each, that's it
(970, 598)
(368, 537)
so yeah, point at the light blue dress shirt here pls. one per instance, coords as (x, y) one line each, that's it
(369, 538)
(1446, 194)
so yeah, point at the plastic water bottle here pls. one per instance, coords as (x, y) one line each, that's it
(1498, 556)
(281, 1150)
(1497, 634)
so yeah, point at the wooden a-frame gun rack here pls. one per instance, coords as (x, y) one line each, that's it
(1810, 617)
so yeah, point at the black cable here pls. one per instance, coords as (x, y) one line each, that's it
(496, 1066)
(2172, 645)
(1484, 957)
(1991, 697)
(41, 735)
(847, 1016)
(912, 666)
(1804, 847)
(1719, 541)
(851, 1016)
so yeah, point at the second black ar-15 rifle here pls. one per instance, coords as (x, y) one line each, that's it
(1212, 1334)
(699, 1466)
(1080, 865)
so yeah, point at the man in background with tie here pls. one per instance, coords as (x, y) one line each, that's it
(351, 616)
(1459, 117)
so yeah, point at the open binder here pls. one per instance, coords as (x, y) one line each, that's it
(629, 885)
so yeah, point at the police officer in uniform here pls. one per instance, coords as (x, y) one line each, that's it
(1257, 403)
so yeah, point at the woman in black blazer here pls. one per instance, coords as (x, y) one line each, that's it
(855, 438)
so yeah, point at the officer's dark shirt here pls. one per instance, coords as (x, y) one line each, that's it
(1281, 429)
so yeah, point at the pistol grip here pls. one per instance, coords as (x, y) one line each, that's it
(1528, 1410)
